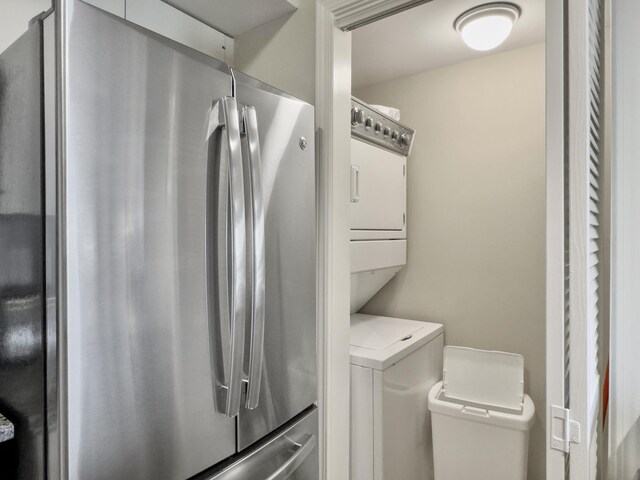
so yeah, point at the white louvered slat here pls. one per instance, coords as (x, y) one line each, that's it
(583, 211)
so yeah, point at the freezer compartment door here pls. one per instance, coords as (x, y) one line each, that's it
(153, 272)
(282, 377)
(292, 455)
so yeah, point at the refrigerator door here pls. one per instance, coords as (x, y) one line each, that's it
(148, 357)
(290, 454)
(22, 383)
(286, 195)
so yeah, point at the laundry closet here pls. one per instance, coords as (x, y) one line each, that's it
(447, 205)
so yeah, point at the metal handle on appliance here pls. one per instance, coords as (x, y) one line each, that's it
(231, 284)
(355, 183)
(294, 461)
(257, 255)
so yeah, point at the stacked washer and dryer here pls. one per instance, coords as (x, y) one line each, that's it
(481, 415)
(379, 149)
(394, 362)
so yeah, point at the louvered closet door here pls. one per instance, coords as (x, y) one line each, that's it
(582, 212)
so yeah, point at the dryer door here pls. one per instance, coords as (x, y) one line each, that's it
(378, 188)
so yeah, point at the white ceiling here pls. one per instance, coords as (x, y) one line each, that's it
(423, 38)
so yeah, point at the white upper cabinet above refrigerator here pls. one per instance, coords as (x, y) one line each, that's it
(208, 26)
(162, 18)
(235, 17)
(116, 7)
(168, 21)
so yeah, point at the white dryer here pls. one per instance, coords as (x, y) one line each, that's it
(379, 149)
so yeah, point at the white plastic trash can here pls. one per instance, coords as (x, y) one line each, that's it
(480, 416)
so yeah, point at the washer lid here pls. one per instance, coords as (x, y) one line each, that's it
(379, 342)
(378, 333)
(494, 379)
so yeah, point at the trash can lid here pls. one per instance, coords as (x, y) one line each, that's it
(484, 377)
(521, 420)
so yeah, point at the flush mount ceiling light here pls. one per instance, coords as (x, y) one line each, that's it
(487, 26)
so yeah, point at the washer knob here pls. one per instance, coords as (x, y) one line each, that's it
(386, 132)
(368, 123)
(394, 136)
(357, 116)
(377, 127)
(404, 140)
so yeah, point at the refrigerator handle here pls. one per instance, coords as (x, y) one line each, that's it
(224, 115)
(256, 241)
(294, 461)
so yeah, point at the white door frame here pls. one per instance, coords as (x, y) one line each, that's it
(333, 103)
(555, 250)
(333, 91)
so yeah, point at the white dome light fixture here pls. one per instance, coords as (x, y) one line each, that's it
(487, 26)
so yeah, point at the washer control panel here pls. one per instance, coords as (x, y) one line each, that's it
(375, 127)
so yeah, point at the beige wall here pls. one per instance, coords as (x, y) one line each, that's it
(15, 16)
(282, 53)
(476, 210)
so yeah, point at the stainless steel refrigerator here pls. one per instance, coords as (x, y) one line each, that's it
(158, 263)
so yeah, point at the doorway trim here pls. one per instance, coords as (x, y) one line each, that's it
(333, 101)
(555, 249)
(333, 96)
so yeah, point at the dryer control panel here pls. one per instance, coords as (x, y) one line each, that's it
(374, 127)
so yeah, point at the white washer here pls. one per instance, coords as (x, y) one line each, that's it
(394, 364)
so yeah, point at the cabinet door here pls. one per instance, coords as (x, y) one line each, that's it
(378, 188)
(170, 22)
(116, 7)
